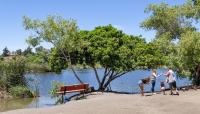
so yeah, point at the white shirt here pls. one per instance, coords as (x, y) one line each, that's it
(170, 76)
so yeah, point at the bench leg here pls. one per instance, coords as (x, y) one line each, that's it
(62, 98)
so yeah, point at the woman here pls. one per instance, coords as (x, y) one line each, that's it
(153, 80)
(141, 84)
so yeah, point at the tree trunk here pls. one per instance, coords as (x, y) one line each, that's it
(68, 59)
(106, 75)
(113, 77)
(75, 74)
(96, 74)
(196, 76)
(103, 79)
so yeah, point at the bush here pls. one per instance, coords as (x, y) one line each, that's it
(12, 72)
(20, 92)
(55, 88)
(38, 68)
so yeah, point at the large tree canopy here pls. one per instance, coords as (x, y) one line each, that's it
(177, 37)
(189, 55)
(169, 20)
(61, 33)
(115, 51)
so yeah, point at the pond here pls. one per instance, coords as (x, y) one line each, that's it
(126, 83)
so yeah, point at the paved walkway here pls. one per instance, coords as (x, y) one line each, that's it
(109, 103)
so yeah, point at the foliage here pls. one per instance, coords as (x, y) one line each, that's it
(27, 51)
(55, 88)
(6, 52)
(18, 52)
(61, 33)
(12, 72)
(176, 35)
(189, 48)
(114, 50)
(191, 9)
(37, 63)
(12, 77)
(189, 54)
(57, 61)
(117, 53)
(166, 19)
(111, 48)
(20, 92)
(34, 85)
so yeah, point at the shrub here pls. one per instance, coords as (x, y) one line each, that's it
(55, 88)
(12, 72)
(20, 92)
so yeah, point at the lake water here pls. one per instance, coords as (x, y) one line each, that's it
(126, 83)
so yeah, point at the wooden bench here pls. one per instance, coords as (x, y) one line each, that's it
(73, 88)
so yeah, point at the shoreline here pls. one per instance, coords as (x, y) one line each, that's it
(112, 103)
(181, 88)
(4, 95)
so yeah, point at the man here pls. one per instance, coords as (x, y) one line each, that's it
(171, 80)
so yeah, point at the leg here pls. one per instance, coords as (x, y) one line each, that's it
(153, 86)
(163, 92)
(171, 88)
(62, 98)
(174, 84)
(142, 89)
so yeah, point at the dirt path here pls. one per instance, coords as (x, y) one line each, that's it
(110, 103)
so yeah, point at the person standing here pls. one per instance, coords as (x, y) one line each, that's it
(153, 80)
(171, 80)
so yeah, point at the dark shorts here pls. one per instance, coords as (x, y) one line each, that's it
(172, 85)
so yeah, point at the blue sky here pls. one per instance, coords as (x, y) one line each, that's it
(123, 14)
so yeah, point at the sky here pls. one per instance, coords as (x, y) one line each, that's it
(122, 14)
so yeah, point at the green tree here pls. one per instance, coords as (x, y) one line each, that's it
(191, 9)
(170, 20)
(61, 33)
(117, 53)
(175, 33)
(27, 51)
(189, 55)
(6, 52)
(19, 52)
(12, 72)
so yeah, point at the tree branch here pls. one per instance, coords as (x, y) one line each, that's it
(114, 77)
(96, 74)
(69, 62)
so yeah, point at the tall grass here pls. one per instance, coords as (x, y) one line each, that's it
(12, 75)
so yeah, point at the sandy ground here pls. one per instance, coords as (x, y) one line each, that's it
(109, 103)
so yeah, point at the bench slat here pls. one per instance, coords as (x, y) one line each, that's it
(62, 92)
(73, 88)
